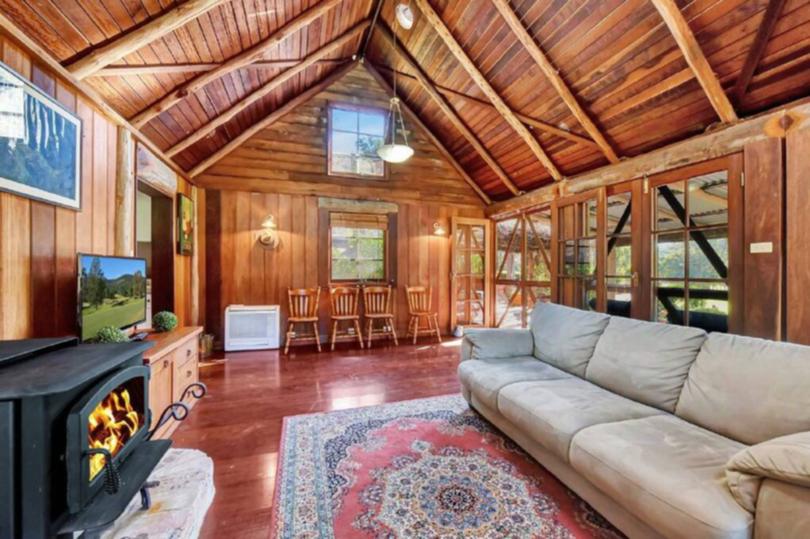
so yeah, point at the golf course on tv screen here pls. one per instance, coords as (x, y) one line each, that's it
(112, 292)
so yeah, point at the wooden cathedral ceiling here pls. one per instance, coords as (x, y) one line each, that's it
(520, 93)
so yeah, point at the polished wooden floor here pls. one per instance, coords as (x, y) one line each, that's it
(238, 424)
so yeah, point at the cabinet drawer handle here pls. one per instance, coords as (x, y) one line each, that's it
(188, 352)
(188, 374)
(165, 363)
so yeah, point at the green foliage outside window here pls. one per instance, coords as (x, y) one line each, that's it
(358, 254)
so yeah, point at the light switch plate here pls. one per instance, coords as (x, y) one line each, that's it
(762, 247)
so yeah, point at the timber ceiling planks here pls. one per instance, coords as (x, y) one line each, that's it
(618, 58)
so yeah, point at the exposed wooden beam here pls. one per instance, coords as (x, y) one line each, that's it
(724, 141)
(271, 118)
(769, 20)
(246, 57)
(433, 139)
(263, 91)
(554, 78)
(447, 37)
(528, 120)
(141, 36)
(367, 40)
(448, 110)
(160, 69)
(82, 87)
(690, 48)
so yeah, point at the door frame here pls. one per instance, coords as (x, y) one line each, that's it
(488, 261)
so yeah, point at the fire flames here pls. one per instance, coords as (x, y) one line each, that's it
(111, 425)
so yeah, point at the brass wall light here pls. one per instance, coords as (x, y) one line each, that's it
(438, 229)
(268, 237)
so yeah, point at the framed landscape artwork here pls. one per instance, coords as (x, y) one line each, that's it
(185, 225)
(40, 144)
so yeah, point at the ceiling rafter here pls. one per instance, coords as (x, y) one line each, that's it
(429, 133)
(161, 69)
(448, 110)
(554, 78)
(244, 58)
(263, 91)
(769, 20)
(133, 40)
(690, 48)
(271, 118)
(528, 120)
(447, 37)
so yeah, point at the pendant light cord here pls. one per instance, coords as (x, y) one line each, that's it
(396, 110)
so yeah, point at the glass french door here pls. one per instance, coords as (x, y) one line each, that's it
(471, 274)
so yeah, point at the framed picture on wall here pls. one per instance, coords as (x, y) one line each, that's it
(185, 225)
(40, 144)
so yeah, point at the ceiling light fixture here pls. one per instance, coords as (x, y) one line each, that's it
(392, 151)
(404, 15)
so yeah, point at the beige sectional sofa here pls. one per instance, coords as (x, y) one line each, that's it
(665, 430)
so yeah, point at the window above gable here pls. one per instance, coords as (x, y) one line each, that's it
(355, 133)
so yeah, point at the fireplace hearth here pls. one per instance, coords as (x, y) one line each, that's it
(75, 445)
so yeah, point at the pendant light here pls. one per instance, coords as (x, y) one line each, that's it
(392, 151)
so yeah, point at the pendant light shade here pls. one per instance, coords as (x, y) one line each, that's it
(395, 149)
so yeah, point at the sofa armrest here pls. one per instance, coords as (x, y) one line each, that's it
(785, 459)
(783, 511)
(496, 343)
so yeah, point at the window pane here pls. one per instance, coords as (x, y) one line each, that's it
(586, 257)
(372, 123)
(708, 199)
(586, 294)
(669, 200)
(538, 245)
(345, 120)
(568, 258)
(669, 301)
(534, 295)
(508, 259)
(508, 306)
(670, 255)
(588, 226)
(619, 296)
(344, 143)
(367, 145)
(619, 214)
(370, 270)
(709, 306)
(370, 166)
(708, 254)
(620, 256)
(358, 253)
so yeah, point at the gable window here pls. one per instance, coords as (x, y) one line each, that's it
(358, 247)
(355, 133)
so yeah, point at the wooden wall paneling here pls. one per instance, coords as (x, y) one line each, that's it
(100, 202)
(764, 198)
(215, 239)
(798, 241)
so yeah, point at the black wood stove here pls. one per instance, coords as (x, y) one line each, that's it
(75, 444)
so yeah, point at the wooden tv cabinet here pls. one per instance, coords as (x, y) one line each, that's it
(174, 362)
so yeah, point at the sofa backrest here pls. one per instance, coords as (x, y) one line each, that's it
(566, 337)
(645, 361)
(747, 389)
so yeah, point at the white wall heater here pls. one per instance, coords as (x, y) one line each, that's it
(251, 327)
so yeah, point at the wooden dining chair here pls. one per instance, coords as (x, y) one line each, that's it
(419, 299)
(345, 308)
(378, 306)
(303, 303)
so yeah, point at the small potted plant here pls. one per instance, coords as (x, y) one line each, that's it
(111, 334)
(164, 321)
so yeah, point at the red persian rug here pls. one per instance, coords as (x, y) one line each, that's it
(422, 468)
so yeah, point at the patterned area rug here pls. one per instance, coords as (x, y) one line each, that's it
(422, 468)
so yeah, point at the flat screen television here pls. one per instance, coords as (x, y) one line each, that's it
(112, 292)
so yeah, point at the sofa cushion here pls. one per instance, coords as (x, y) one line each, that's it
(748, 389)
(499, 343)
(485, 377)
(667, 472)
(553, 411)
(566, 337)
(645, 361)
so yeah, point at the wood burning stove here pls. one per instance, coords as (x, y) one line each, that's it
(75, 444)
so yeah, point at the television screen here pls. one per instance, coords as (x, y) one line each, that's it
(112, 292)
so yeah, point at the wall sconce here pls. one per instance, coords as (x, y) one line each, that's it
(438, 229)
(268, 237)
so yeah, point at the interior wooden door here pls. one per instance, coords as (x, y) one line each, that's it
(471, 274)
